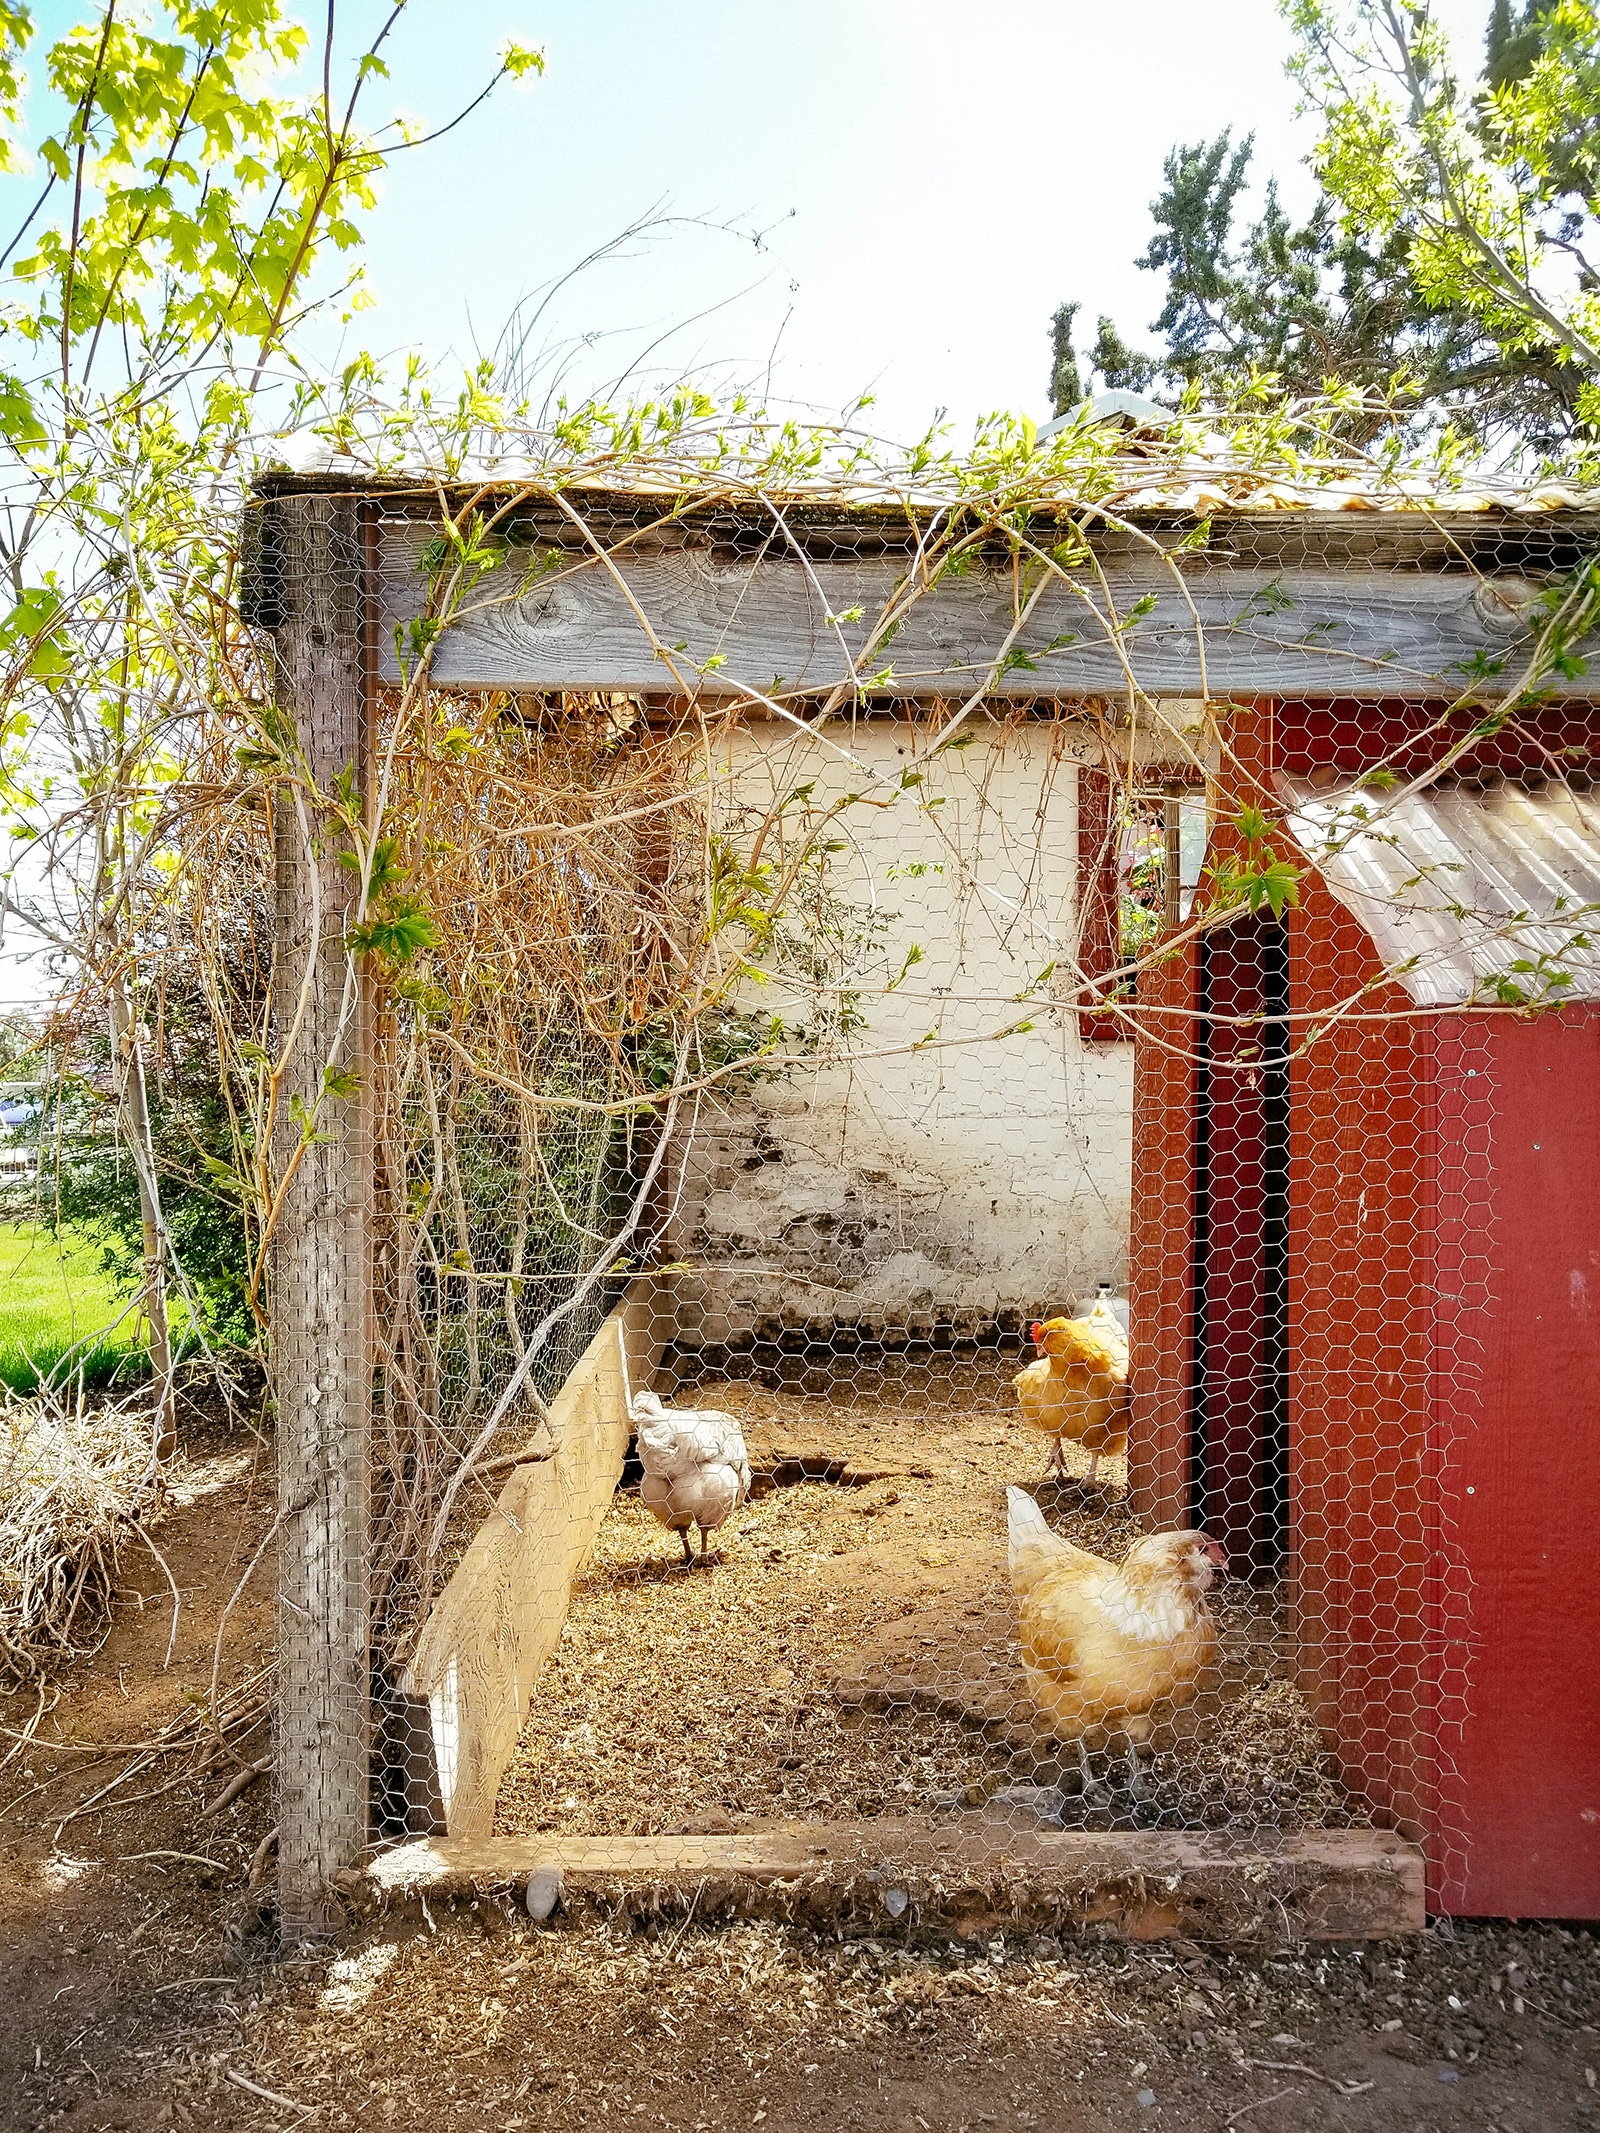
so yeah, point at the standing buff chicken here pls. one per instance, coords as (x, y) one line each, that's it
(1110, 1650)
(1079, 1386)
(696, 1468)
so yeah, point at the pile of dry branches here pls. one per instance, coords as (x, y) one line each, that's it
(75, 1481)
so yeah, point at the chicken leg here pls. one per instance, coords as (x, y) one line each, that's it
(1090, 1787)
(688, 1552)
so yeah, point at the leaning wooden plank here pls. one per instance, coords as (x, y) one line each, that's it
(497, 1621)
(969, 1873)
(683, 619)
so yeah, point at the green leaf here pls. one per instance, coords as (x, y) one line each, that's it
(402, 931)
(520, 60)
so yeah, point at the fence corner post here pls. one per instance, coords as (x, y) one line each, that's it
(319, 1312)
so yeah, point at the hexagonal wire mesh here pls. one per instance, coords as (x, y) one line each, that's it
(841, 1188)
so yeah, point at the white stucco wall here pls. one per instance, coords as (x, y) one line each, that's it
(894, 1187)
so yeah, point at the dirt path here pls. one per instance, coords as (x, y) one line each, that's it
(97, 1915)
(140, 1992)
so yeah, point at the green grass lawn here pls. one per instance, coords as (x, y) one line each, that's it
(53, 1293)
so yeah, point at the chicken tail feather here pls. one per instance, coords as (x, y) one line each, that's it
(1026, 1527)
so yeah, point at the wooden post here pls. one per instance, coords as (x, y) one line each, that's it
(320, 1318)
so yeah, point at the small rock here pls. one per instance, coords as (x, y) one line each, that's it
(895, 1901)
(1044, 1801)
(544, 1892)
(1448, 2073)
(1147, 2099)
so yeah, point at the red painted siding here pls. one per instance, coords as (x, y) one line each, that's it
(1161, 1254)
(1100, 924)
(1362, 1490)
(1443, 1306)
(1522, 1493)
(1241, 1300)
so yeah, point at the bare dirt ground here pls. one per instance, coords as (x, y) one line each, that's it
(141, 1989)
(854, 1650)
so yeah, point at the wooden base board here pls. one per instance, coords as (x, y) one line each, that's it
(971, 1874)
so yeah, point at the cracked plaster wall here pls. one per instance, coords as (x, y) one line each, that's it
(977, 1178)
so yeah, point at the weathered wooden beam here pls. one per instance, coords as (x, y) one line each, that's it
(778, 623)
(320, 1343)
(972, 1873)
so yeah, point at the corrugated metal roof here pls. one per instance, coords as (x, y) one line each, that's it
(1468, 893)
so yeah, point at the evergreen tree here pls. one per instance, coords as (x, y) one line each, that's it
(1066, 389)
(1339, 295)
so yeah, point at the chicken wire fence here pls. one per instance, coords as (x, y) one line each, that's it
(941, 1233)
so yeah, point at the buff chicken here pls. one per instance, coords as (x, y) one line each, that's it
(1109, 1650)
(1078, 1388)
(696, 1468)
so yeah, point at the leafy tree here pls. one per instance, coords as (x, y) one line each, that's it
(1440, 269)
(184, 199)
(1490, 187)
(19, 1045)
(88, 1186)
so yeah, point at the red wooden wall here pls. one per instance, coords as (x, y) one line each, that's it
(1363, 1485)
(1520, 1768)
(1238, 1485)
(1161, 1244)
(1444, 1401)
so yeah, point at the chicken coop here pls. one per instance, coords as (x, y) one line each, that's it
(1363, 1249)
(760, 980)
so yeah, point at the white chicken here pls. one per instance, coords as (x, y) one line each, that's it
(696, 1468)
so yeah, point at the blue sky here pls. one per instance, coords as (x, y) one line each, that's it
(933, 180)
(928, 180)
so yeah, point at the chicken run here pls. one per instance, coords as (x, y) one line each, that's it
(851, 1648)
(943, 1244)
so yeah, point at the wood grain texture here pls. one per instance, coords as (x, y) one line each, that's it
(1355, 632)
(497, 1621)
(320, 1345)
(976, 1873)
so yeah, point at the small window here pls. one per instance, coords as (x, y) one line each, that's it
(1128, 846)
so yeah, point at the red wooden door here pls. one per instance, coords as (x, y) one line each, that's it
(1363, 1464)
